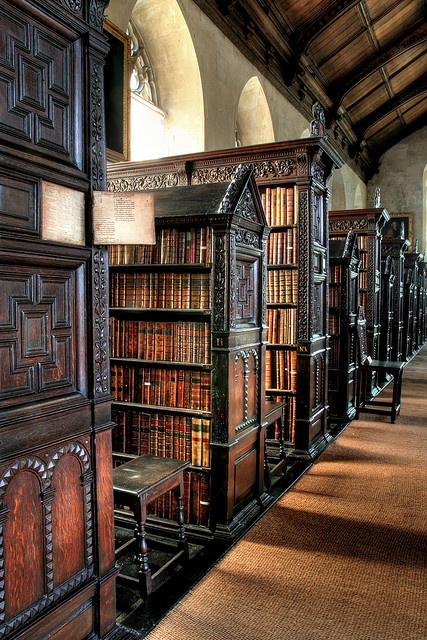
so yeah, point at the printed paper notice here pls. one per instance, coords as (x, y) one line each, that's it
(63, 214)
(123, 217)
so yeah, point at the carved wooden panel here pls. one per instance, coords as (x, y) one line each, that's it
(38, 327)
(37, 101)
(245, 388)
(18, 203)
(46, 536)
(246, 298)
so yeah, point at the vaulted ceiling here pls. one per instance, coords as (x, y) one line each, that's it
(364, 61)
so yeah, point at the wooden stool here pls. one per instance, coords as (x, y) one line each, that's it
(274, 413)
(137, 483)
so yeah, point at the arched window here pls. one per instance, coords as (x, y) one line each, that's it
(147, 133)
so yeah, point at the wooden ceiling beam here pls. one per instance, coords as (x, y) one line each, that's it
(412, 38)
(320, 21)
(414, 90)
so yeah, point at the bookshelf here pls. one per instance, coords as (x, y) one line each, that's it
(367, 223)
(187, 332)
(395, 248)
(387, 281)
(344, 264)
(292, 179)
(413, 261)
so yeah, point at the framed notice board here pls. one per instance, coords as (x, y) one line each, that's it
(117, 93)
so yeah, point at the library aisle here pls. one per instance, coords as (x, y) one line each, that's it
(341, 556)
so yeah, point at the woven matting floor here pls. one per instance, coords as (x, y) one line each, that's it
(341, 556)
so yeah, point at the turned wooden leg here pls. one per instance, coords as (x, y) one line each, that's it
(144, 572)
(180, 518)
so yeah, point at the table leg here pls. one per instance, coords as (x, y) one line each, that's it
(180, 518)
(144, 572)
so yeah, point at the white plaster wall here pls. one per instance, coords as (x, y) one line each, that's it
(225, 72)
(401, 178)
(348, 191)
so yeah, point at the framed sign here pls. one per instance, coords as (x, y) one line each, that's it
(393, 227)
(117, 93)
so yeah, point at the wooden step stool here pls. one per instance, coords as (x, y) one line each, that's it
(137, 483)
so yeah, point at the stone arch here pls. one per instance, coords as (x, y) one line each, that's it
(168, 42)
(358, 198)
(253, 122)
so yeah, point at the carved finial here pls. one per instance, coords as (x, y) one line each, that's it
(377, 199)
(237, 142)
(416, 246)
(317, 125)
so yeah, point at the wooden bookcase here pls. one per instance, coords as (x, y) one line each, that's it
(58, 574)
(387, 282)
(367, 223)
(188, 349)
(300, 169)
(344, 264)
(413, 262)
(395, 248)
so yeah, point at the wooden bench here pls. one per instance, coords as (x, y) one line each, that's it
(137, 483)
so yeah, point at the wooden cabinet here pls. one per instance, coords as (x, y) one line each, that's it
(344, 264)
(188, 345)
(297, 281)
(367, 223)
(395, 248)
(57, 577)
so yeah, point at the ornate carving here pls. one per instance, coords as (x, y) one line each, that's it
(246, 285)
(97, 159)
(100, 310)
(346, 225)
(302, 164)
(72, 5)
(141, 183)
(261, 169)
(243, 236)
(245, 356)
(44, 472)
(220, 304)
(246, 207)
(318, 124)
(303, 264)
(233, 280)
(96, 13)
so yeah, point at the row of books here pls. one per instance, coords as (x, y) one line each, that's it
(162, 434)
(281, 326)
(154, 340)
(281, 370)
(289, 416)
(278, 203)
(364, 260)
(334, 297)
(363, 279)
(168, 387)
(334, 274)
(282, 286)
(282, 247)
(334, 354)
(333, 323)
(173, 246)
(160, 290)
